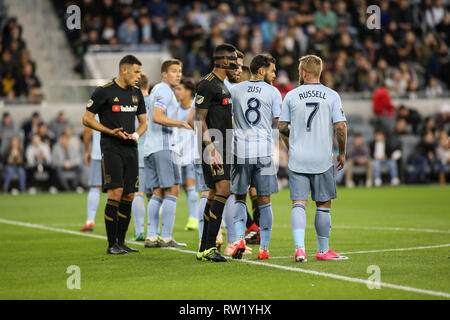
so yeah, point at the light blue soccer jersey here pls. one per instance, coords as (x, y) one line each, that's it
(160, 137)
(96, 153)
(141, 140)
(186, 137)
(255, 103)
(312, 109)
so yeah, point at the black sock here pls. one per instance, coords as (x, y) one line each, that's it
(249, 219)
(205, 225)
(215, 219)
(256, 213)
(123, 217)
(111, 221)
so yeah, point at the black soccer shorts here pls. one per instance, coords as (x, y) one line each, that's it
(120, 169)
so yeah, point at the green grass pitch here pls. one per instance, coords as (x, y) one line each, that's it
(403, 232)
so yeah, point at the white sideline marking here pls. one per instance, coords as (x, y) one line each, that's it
(312, 272)
(380, 250)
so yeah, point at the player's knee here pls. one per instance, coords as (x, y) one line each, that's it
(115, 194)
(241, 197)
(263, 200)
(128, 197)
(324, 204)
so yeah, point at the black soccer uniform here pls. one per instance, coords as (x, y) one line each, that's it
(212, 94)
(118, 108)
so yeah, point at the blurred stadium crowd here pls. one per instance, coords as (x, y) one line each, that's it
(18, 78)
(408, 54)
(408, 57)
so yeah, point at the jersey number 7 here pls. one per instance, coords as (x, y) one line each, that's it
(315, 106)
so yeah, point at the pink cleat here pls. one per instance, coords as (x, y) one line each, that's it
(300, 255)
(329, 255)
(263, 255)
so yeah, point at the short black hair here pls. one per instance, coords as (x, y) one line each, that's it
(224, 48)
(129, 59)
(261, 61)
(188, 84)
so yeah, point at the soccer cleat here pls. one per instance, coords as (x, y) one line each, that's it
(213, 255)
(138, 237)
(252, 234)
(152, 243)
(300, 255)
(329, 255)
(263, 255)
(238, 250)
(171, 243)
(192, 224)
(126, 248)
(88, 227)
(199, 256)
(115, 249)
(232, 246)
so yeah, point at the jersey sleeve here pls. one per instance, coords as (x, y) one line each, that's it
(141, 105)
(97, 100)
(276, 103)
(336, 110)
(285, 111)
(162, 98)
(203, 96)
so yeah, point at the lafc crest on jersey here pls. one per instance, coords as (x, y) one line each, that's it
(199, 99)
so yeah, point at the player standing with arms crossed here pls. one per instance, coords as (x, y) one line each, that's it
(314, 113)
(117, 104)
(255, 104)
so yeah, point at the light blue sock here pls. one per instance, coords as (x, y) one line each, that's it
(298, 223)
(228, 215)
(138, 208)
(192, 200)
(168, 215)
(323, 228)
(201, 217)
(92, 203)
(265, 225)
(153, 216)
(240, 218)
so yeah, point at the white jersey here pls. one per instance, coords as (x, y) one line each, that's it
(96, 152)
(186, 137)
(255, 103)
(161, 137)
(312, 109)
(141, 140)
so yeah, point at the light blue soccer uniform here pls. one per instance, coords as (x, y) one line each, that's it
(141, 143)
(312, 109)
(185, 145)
(255, 104)
(161, 162)
(95, 169)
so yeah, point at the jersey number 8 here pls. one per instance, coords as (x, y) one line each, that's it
(252, 113)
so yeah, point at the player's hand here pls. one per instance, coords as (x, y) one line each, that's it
(340, 161)
(186, 125)
(87, 157)
(215, 159)
(118, 133)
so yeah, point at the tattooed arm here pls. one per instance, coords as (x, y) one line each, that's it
(340, 129)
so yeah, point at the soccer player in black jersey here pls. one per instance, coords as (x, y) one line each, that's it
(117, 104)
(213, 114)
